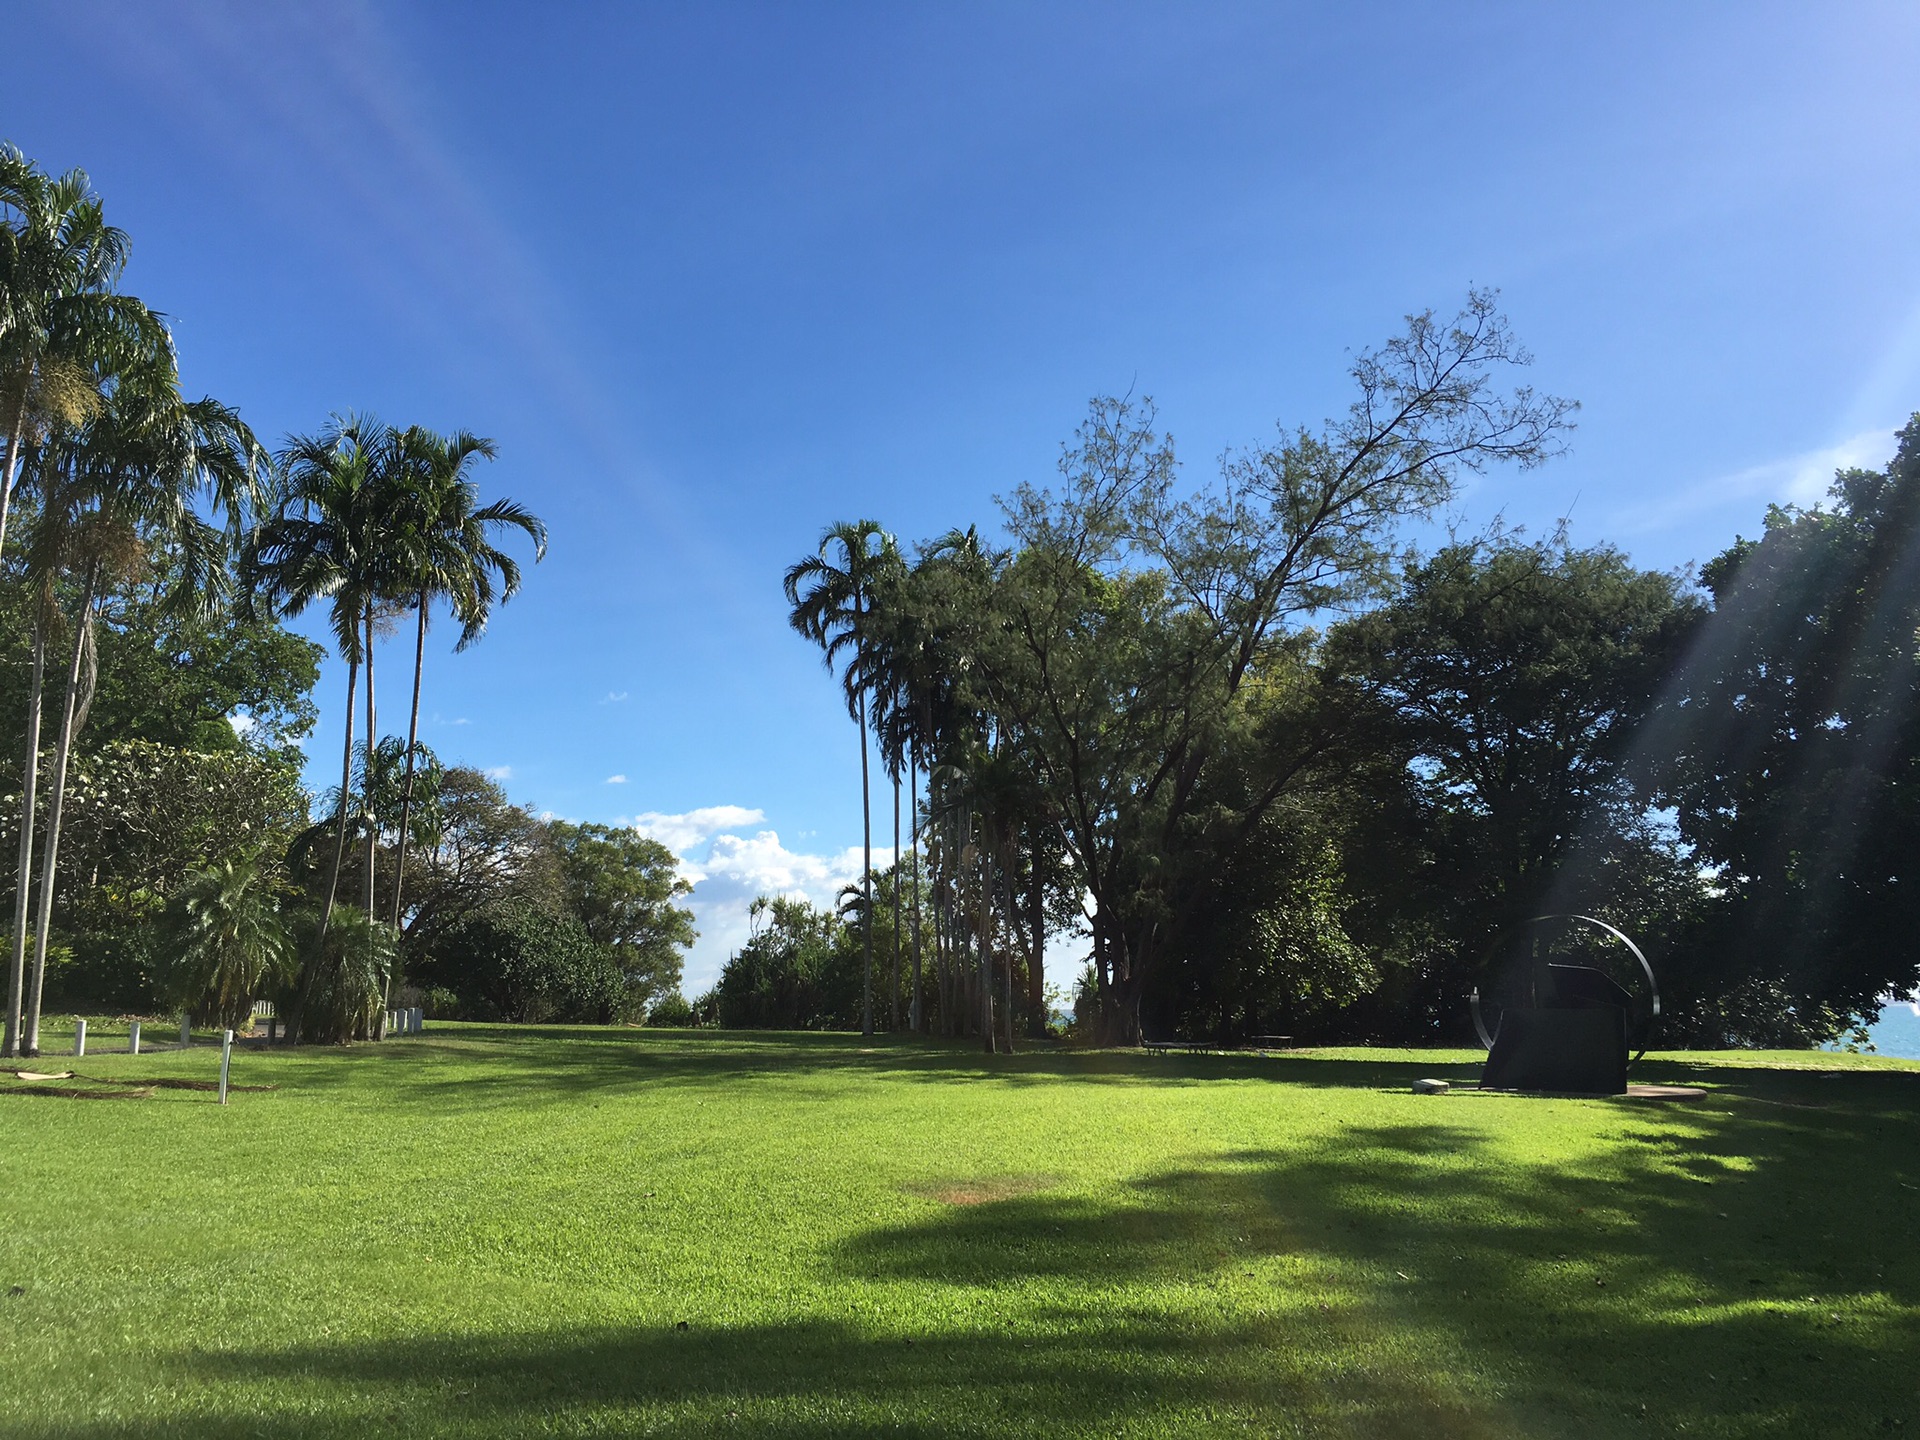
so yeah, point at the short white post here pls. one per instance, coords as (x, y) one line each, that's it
(79, 1038)
(419, 1019)
(226, 1061)
(133, 1038)
(186, 1030)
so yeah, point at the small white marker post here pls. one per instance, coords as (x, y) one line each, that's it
(186, 1031)
(133, 1038)
(79, 1038)
(226, 1061)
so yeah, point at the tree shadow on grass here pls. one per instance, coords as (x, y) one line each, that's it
(500, 1065)
(1109, 1374)
(1740, 1270)
(1736, 1268)
(492, 1066)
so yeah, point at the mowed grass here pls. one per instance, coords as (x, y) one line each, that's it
(508, 1232)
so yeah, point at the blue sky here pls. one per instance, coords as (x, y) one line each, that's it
(715, 275)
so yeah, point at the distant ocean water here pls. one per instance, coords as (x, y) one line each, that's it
(1897, 1031)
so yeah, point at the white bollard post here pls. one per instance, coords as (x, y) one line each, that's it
(419, 1019)
(79, 1038)
(186, 1031)
(133, 1038)
(226, 1061)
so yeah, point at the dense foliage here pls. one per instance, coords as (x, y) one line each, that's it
(1274, 771)
(1279, 781)
(166, 851)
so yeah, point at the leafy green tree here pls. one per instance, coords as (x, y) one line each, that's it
(484, 848)
(1789, 743)
(1511, 681)
(621, 886)
(792, 974)
(518, 961)
(227, 940)
(1148, 658)
(140, 820)
(1269, 953)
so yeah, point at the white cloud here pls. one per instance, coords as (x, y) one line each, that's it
(730, 871)
(498, 772)
(679, 833)
(241, 722)
(736, 870)
(1795, 479)
(614, 697)
(616, 779)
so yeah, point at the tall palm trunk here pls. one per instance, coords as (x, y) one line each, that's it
(1037, 928)
(339, 852)
(366, 786)
(866, 875)
(915, 1010)
(63, 750)
(366, 810)
(16, 437)
(23, 873)
(983, 913)
(894, 995)
(1002, 855)
(940, 954)
(406, 794)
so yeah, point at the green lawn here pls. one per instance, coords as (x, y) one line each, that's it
(593, 1232)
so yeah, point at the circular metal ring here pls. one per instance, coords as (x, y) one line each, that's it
(1646, 969)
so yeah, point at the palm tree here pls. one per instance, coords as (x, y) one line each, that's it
(894, 664)
(227, 938)
(135, 475)
(64, 333)
(448, 554)
(830, 602)
(330, 537)
(63, 328)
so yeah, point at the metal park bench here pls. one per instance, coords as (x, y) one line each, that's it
(1260, 1044)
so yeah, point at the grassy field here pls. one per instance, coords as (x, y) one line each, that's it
(593, 1232)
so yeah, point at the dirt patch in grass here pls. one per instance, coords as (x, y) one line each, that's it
(981, 1190)
(170, 1083)
(69, 1092)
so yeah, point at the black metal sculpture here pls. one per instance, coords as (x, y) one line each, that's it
(1555, 1026)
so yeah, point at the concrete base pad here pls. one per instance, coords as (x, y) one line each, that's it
(1632, 1092)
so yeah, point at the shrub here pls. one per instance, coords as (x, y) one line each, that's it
(340, 990)
(226, 941)
(519, 961)
(671, 1009)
